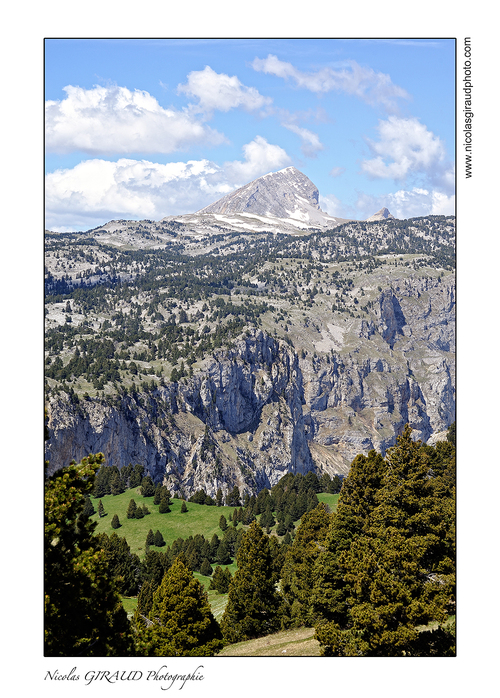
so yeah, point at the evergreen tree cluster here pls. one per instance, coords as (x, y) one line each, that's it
(375, 578)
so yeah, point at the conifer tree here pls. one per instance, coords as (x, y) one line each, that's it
(84, 615)
(253, 602)
(158, 540)
(88, 508)
(297, 572)
(150, 538)
(183, 624)
(399, 573)
(206, 568)
(132, 507)
(100, 509)
(115, 522)
(220, 581)
(183, 507)
(357, 500)
(222, 523)
(164, 508)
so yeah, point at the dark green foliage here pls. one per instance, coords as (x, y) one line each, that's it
(158, 540)
(122, 563)
(88, 508)
(150, 538)
(206, 568)
(220, 580)
(356, 501)
(147, 487)
(297, 573)
(115, 521)
(183, 507)
(222, 556)
(253, 602)
(100, 509)
(131, 510)
(83, 611)
(183, 624)
(398, 572)
(222, 523)
(164, 507)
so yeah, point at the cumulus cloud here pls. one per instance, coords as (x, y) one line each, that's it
(406, 146)
(311, 144)
(361, 81)
(221, 92)
(106, 120)
(408, 203)
(96, 191)
(332, 205)
(261, 157)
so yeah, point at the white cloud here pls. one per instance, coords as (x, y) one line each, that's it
(311, 144)
(406, 146)
(218, 91)
(261, 157)
(117, 120)
(352, 78)
(408, 203)
(96, 191)
(332, 205)
(336, 171)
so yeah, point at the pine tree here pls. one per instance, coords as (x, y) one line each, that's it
(297, 572)
(100, 509)
(253, 602)
(88, 508)
(164, 508)
(399, 572)
(220, 580)
(132, 507)
(183, 507)
(150, 538)
(183, 624)
(206, 568)
(158, 540)
(147, 487)
(357, 500)
(84, 615)
(116, 484)
(115, 522)
(222, 523)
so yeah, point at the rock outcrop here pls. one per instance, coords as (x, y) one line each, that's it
(381, 215)
(258, 410)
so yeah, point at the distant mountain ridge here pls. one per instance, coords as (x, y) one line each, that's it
(287, 194)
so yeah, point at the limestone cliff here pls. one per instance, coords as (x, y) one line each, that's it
(257, 411)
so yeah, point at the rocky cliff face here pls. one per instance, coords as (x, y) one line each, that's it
(239, 421)
(258, 410)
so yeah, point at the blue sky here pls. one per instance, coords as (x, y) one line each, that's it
(146, 128)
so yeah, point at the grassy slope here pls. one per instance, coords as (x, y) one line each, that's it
(296, 642)
(198, 519)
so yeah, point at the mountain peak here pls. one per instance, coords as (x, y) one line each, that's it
(382, 215)
(286, 194)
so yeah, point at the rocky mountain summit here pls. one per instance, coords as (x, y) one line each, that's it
(382, 215)
(284, 201)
